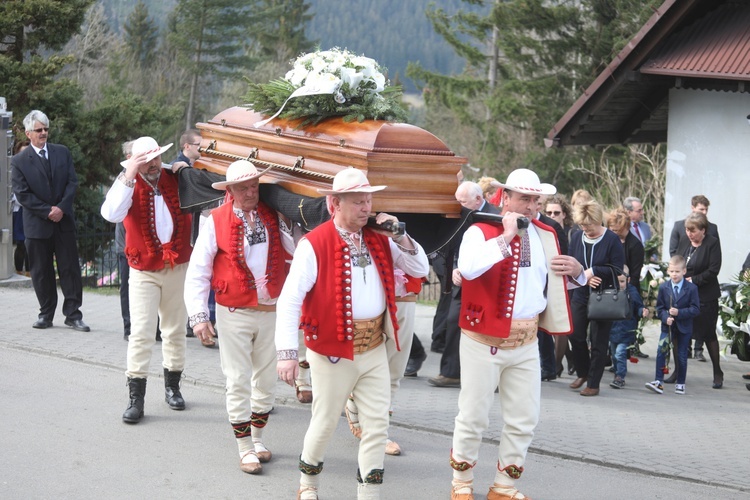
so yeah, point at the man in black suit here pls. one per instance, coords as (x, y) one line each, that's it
(45, 183)
(470, 196)
(698, 203)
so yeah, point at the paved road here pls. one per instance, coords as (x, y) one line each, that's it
(64, 391)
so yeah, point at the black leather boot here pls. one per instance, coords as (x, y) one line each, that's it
(172, 394)
(137, 389)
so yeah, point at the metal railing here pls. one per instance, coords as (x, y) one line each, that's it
(98, 259)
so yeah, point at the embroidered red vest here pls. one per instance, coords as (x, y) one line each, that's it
(487, 301)
(327, 327)
(142, 246)
(233, 282)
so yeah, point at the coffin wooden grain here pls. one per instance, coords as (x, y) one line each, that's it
(418, 168)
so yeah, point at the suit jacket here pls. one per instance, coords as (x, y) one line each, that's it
(704, 267)
(679, 235)
(687, 303)
(37, 193)
(634, 257)
(645, 230)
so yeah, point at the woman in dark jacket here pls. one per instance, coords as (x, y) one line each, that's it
(619, 223)
(594, 247)
(703, 255)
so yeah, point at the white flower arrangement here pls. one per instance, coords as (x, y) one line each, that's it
(328, 83)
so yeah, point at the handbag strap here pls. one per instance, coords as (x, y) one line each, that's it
(612, 269)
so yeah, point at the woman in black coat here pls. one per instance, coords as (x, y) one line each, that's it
(595, 247)
(703, 255)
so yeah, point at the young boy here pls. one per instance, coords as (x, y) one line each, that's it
(676, 305)
(622, 334)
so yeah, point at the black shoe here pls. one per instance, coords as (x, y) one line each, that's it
(640, 354)
(189, 332)
(548, 377)
(77, 324)
(438, 348)
(441, 381)
(699, 356)
(172, 394)
(747, 386)
(414, 364)
(42, 323)
(746, 376)
(158, 335)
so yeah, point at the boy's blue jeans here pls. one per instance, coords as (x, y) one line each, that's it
(619, 358)
(681, 343)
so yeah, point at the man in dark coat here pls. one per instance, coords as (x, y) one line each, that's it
(45, 184)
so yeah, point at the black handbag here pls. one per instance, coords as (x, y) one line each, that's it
(609, 304)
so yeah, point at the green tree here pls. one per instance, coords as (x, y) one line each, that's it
(29, 30)
(280, 29)
(141, 35)
(212, 40)
(526, 62)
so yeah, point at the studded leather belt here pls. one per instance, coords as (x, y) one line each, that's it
(368, 334)
(522, 332)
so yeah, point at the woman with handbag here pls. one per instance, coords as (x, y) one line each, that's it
(703, 255)
(597, 249)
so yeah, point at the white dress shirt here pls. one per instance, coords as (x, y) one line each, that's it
(368, 295)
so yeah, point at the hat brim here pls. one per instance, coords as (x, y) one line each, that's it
(223, 184)
(543, 189)
(370, 189)
(152, 155)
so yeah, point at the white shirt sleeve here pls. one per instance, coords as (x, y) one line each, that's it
(200, 270)
(414, 265)
(118, 201)
(476, 254)
(301, 278)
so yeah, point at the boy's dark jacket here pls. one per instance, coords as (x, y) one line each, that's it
(687, 303)
(623, 332)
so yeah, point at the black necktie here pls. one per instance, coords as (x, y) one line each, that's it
(45, 162)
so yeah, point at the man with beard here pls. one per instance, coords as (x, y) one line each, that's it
(157, 246)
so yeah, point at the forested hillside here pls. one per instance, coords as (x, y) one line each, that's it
(393, 32)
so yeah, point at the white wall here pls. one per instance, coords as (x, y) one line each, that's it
(708, 143)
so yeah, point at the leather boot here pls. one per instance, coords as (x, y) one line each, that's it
(172, 394)
(134, 412)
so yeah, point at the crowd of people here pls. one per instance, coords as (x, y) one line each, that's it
(330, 310)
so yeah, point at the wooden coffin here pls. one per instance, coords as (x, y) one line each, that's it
(418, 168)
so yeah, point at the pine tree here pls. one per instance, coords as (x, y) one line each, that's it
(28, 29)
(213, 41)
(280, 29)
(526, 62)
(141, 35)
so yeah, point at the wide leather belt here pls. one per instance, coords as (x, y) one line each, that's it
(368, 334)
(259, 307)
(522, 332)
(407, 298)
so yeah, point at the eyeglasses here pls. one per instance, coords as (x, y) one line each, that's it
(553, 213)
(40, 130)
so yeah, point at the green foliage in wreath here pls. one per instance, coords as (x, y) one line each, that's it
(325, 84)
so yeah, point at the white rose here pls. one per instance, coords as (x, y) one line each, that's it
(319, 65)
(298, 77)
(326, 83)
